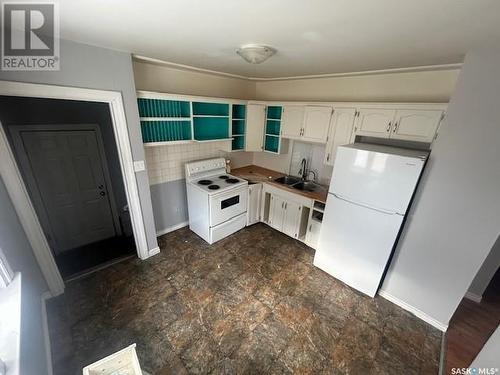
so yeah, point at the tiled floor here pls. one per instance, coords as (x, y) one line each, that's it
(251, 303)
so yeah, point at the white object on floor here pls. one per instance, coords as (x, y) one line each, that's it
(123, 362)
(369, 195)
(217, 201)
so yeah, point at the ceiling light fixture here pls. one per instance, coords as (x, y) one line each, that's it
(255, 53)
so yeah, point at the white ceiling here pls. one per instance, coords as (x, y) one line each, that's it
(312, 36)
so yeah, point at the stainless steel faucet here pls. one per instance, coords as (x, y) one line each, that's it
(303, 169)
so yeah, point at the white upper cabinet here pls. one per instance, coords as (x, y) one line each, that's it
(375, 122)
(341, 132)
(293, 121)
(316, 123)
(256, 118)
(416, 125)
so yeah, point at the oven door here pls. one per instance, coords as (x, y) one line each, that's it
(227, 205)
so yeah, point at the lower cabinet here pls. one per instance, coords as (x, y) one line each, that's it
(253, 206)
(312, 236)
(285, 212)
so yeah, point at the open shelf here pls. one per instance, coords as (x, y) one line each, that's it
(210, 109)
(238, 143)
(208, 128)
(165, 131)
(238, 126)
(271, 143)
(274, 112)
(163, 108)
(273, 127)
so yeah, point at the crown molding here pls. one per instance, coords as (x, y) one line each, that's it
(424, 68)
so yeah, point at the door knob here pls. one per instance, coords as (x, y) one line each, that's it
(102, 193)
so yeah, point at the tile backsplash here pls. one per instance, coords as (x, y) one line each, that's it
(314, 154)
(166, 163)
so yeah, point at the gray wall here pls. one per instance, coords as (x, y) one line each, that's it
(98, 68)
(487, 271)
(88, 67)
(456, 214)
(170, 204)
(17, 250)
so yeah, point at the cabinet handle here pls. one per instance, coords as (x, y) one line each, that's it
(328, 157)
(395, 127)
(310, 227)
(286, 204)
(282, 204)
(389, 127)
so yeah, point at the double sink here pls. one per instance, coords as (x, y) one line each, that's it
(298, 183)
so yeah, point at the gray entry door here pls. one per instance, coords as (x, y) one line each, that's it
(68, 173)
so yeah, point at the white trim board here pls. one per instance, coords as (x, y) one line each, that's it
(418, 313)
(46, 334)
(173, 65)
(161, 232)
(17, 189)
(473, 297)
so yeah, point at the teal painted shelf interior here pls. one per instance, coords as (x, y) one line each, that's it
(238, 142)
(163, 108)
(239, 111)
(272, 143)
(238, 114)
(273, 127)
(210, 109)
(165, 131)
(207, 128)
(274, 112)
(238, 127)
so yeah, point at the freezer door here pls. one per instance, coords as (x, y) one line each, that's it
(375, 179)
(355, 243)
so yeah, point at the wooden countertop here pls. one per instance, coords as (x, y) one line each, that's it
(253, 173)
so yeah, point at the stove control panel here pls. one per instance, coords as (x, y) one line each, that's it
(202, 166)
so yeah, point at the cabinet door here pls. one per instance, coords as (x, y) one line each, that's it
(416, 125)
(291, 219)
(253, 207)
(375, 122)
(312, 235)
(340, 132)
(316, 123)
(276, 212)
(293, 121)
(256, 118)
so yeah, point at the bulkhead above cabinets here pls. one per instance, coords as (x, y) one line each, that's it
(262, 126)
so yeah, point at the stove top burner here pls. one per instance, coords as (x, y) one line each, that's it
(214, 187)
(224, 177)
(232, 181)
(204, 182)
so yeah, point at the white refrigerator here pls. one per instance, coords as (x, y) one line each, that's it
(370, 191)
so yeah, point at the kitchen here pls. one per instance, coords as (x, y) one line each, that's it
(299, 202)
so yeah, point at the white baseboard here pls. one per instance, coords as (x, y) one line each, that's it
(473, 297)
(418, 313)
(45, 326)
(172, 228)
(154, 251)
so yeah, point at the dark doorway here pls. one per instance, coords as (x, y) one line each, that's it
(66, 152)
(472, 325)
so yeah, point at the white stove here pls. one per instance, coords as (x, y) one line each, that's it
(217, 201)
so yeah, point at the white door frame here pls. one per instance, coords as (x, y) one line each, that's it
(16, 188)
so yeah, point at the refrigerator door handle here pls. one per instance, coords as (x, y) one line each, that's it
(387, 212)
